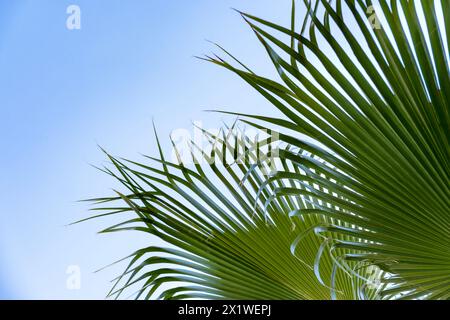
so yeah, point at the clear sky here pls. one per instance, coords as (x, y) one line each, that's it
(63, 91)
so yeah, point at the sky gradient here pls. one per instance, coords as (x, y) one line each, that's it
(63, 92)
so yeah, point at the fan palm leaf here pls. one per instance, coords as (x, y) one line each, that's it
(369, 82)
(219, 244)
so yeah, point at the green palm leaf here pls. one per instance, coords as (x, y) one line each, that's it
(376, 102)
(219, 243)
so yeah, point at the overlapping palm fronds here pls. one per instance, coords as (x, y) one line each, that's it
(219, 243)
(368, 84)
(369, 81)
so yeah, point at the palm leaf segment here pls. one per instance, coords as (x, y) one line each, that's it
(220, 244)
(377, 103)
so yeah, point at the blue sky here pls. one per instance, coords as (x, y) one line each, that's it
(63, 91)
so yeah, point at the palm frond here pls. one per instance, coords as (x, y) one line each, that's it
(369, 81)
(220, 244)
